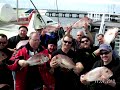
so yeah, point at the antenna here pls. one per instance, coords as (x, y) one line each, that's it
(38, 15)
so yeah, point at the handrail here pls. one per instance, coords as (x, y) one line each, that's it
(108, 16)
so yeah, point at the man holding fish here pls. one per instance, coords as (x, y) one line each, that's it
(30, 64)
(86, 54)
(52, 46)
(6, 80)
(22, 35)
(103, 82)
(109, 38)
(65, 69)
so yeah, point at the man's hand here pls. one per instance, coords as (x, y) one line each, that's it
(68, 29)
(23, 63)
(97, 52)
(78, 68)
(53, 63)
(85, 27)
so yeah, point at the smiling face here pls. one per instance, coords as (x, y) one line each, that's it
(34, 40)
(23, 32)
(79, 35)
(67, 42)
(3, 42)
(100, 39)
(106, 56)
(52, 47)
(85, 43)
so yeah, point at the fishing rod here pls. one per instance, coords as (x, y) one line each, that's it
(38, 15)
(57, 10)
(58, 20)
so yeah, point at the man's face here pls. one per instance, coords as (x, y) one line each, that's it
(3, 42)
(100, 39)
(52, 47)
(23, 32)
(106, 56)
(67, 42)
(79, 35)
(34, 41)
(85, 43)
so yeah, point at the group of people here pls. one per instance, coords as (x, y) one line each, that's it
(17, 74)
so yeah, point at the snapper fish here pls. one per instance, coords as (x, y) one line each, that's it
(52, 28)
(21, 43)
(4, 86)
(80, 23)
(97, 74)
(110, 35)
(37, 59)
(64, 61)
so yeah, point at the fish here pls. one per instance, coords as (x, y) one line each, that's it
(2, 56)
(37, 59)
(80, 23)
(97, 74)
(4, 86)
(21, 43)
(52, 28)
(110, 35)
(64, 61)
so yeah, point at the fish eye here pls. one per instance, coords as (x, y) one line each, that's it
(56, 57)
(107, 71)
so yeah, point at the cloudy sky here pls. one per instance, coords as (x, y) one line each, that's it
(81, 5)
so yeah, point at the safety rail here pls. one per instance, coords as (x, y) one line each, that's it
(108, 16)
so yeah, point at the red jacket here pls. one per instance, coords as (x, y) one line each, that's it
(22, 72)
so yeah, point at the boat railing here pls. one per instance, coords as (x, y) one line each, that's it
(108, 16)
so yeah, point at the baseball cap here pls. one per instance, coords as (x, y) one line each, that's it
(106, 47)
(39, 27)
(52, 41)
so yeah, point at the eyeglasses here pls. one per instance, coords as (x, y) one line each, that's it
(85, 41)
(104, 52)
(3, 42)
(67, 42)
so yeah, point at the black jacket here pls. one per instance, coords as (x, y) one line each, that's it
(114, 66)
(13, 41)
(64, 79)
(5, 73)
(87, 58)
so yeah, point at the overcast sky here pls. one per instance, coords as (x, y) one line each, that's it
(81, 5)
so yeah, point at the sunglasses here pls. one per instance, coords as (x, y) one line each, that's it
(3, 42)
(67, 42)
(104, 52)
(85, 41)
